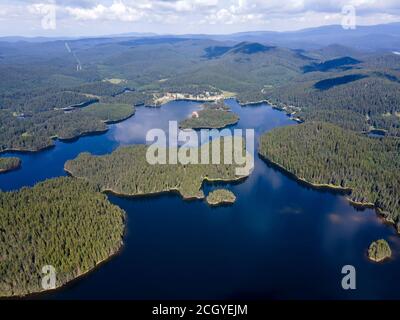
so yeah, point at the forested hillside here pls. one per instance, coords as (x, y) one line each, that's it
(65, 223)
(32, 102)
(362, 104)
(324, 154)
(355, 90)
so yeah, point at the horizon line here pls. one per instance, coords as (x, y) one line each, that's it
(155, 34)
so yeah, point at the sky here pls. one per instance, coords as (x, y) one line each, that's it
(106, 17)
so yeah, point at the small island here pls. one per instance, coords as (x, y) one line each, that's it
(221, 197)
(212, 116)
(9, 164)
(379, 251)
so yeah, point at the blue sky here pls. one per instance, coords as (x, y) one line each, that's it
(99, 17)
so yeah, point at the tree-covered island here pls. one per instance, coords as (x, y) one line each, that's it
(212, 116)
(220, 197)
(379, 251)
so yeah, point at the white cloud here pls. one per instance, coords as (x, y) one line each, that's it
(308, 12)
(208, 15)
(116, 11)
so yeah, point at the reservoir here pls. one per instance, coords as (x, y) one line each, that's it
(280, 240)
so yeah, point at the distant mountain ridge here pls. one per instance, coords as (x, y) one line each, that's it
(372, 38)
(383, 37)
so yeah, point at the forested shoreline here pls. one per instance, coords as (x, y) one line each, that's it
(324, 154)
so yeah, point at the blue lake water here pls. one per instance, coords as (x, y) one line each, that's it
(280, 240)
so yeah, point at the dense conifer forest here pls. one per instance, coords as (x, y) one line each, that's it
(65, 223)
(102, 88)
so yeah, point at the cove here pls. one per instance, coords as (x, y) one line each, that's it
(280, 240)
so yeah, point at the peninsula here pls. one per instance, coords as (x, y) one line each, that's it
(110, 112)
(9, 164)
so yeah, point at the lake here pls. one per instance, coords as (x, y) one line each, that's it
(280, 240)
